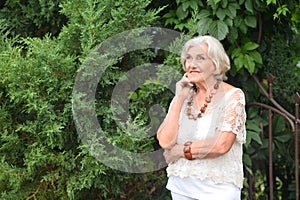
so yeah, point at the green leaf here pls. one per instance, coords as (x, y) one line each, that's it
(218, 29)
(185, 6)
(238, 21)
(239, 62)
(212, 4)
(204, 14)
(224, 3)
(228, 22)
(220, 14)
(256, 56)
(254, 136)
(250, 64)
(284, 138)
(251, 21)
(282, 10)
(232, 7)
(203, 26)
(236, 53)
(169, 14)
(249, 46)
(271, 2)
(253, 126)
(247, 160)
(180, 26)
(217, 1)
(194, 5)
(243, 28)
(233, 34)
(249, 6)
(181, 14)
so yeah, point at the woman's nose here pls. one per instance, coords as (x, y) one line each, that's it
(193, 64)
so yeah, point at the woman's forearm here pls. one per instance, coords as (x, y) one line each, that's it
(213, 147)
(167, 132)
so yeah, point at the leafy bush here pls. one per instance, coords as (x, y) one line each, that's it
(42, 156)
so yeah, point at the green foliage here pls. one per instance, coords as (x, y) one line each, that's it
(35, 86)
(231, 21)
(42, 156)
(281, 58)
(33, 18)
(247, 57)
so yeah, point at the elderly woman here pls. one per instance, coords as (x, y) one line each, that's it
(204, 129)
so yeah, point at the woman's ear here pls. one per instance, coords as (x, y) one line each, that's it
(183, 66)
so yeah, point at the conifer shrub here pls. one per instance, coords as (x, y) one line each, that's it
(42, 156)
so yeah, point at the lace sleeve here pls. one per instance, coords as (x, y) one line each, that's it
(235, 115)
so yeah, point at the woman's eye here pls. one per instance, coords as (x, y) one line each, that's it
(200, 58)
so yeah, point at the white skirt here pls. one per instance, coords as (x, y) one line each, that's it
(194, 188)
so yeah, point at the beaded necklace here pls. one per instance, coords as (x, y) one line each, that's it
(192, 115)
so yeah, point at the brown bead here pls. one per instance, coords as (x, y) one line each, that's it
(208, 99)
(203, 109)
(216, 86)
(188, 143)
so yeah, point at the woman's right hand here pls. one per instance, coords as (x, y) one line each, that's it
(183, 88)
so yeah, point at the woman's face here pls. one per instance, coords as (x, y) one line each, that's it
(198, 66)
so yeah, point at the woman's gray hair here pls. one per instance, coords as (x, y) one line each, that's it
(215, 52)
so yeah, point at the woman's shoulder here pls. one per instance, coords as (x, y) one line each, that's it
(234, 93)
(230, 88)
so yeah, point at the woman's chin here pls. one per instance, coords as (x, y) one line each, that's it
(195, 79)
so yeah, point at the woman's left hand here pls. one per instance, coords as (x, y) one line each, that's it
(174, 153)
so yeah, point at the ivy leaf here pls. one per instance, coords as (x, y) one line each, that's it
(232, 7)
(271, 2)
(236, 52)
(217, 1)
(194, 5)
(283, 138)
(253, 126)
(180, 26)
(220, 14)
(204, 14)
(241, 2)
(228, 21)
(250, 64)
(185, 6)
(218, 29)
(247, 160)
(249, 46)
(203, 26)
(243, 27)
(233, 34)
(254, 136)
(250, 21)
(224, 3)
(282, 10)
(239, 62)
(256, 56)
(181, 14)
(249, 6)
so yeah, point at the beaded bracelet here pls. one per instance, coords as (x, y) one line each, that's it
(187, 151)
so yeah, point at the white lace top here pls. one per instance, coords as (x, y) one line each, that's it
(226, 115)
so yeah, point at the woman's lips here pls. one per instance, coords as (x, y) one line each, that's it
(194, 72)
